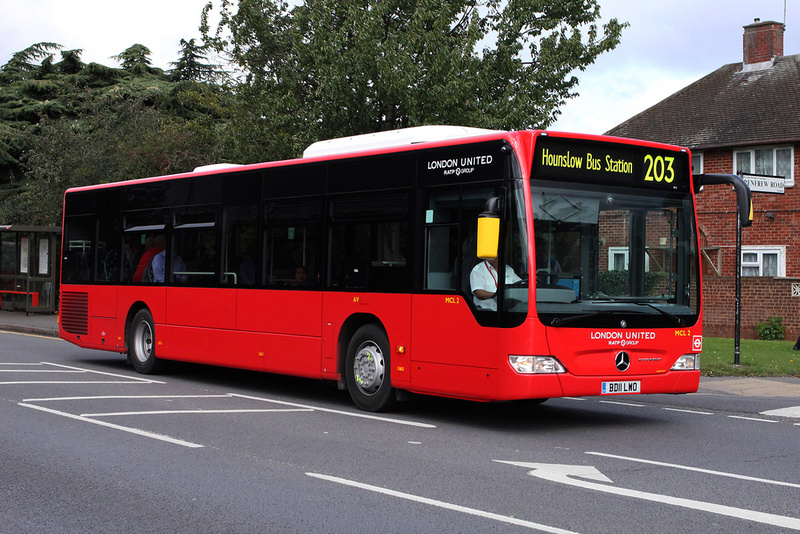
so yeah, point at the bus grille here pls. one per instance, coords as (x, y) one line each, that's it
(75, 313)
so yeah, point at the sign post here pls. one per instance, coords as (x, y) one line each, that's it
(762, 184)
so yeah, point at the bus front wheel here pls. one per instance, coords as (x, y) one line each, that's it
(142, 344)
(367, 369)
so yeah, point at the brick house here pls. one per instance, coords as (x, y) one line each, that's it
(742, 118)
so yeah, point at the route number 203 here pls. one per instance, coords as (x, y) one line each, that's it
(659, 169)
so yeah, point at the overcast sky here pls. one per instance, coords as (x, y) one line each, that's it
(669, 44)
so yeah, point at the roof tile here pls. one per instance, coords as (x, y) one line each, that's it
(726, 108)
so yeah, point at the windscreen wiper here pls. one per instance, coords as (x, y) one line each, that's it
(675, 318)
(557, 321)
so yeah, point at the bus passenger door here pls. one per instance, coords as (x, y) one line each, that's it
(451, 352)
(289, 310)
(200, 314)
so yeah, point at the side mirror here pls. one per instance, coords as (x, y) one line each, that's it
(489, 229)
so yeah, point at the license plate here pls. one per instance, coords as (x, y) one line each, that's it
(620, 388)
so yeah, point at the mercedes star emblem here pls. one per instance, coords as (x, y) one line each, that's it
(622, 361)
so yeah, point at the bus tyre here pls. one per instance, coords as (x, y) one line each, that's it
(367, 369)
(142, 344)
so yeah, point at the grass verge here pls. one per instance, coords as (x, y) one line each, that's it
(756, 358)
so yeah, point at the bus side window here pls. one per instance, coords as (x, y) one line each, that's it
(441, 240)
(241, 245)
(369, 244)
(141, 228)
(291, 244)
(194, 250)
(78, 249)
(108, 260)
(292, 256)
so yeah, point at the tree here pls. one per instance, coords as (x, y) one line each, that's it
(70, 62)
(22, 63)
(135, 59)
(66, 124)
(192, 64)
(107, 143)
(329, 68)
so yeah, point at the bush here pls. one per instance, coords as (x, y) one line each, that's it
(615, 283)
(771, 329)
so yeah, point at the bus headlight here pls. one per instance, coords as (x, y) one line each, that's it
(536, 364)
(687, 362)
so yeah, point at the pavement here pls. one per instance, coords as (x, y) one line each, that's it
(44, 324)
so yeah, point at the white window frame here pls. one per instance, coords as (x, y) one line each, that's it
(760, 251)
(624, 251)
(699, 168)
(752, 152)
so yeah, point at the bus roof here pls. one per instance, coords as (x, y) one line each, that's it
(391, 138)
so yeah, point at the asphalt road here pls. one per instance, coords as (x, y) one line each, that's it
(88, 445)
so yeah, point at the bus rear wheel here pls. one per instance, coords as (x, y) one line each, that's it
(142, 344)
(367, 370)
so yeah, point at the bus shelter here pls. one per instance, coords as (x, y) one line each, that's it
(29, 268)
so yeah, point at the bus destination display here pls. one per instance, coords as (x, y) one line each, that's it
(586, 161)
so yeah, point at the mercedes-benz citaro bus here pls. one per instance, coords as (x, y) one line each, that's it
(437, 260)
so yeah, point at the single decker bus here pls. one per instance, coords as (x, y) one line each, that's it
(440, 260)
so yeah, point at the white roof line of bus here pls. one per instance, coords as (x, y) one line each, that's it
(392, 138)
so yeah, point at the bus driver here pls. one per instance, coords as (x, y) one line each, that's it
(483, 283)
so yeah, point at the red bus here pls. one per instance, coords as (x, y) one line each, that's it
(373, 261)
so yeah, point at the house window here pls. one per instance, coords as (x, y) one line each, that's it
(618, 259)
(763, 261)
(769, 161)
(697, 163)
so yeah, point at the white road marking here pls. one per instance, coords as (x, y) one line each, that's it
(792, 411)
(98, 397)
(622, 403)
(563, 474)
(757, 419)
(136, 431)
(362, 415)
(194, 412)
(688, 411)
(18, 382)
(93, 417)
(129, 377)
(39, 371)
(697, 469)
(62, 369)
(442, 504)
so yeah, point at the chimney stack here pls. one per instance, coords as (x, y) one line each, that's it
(763, 42)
